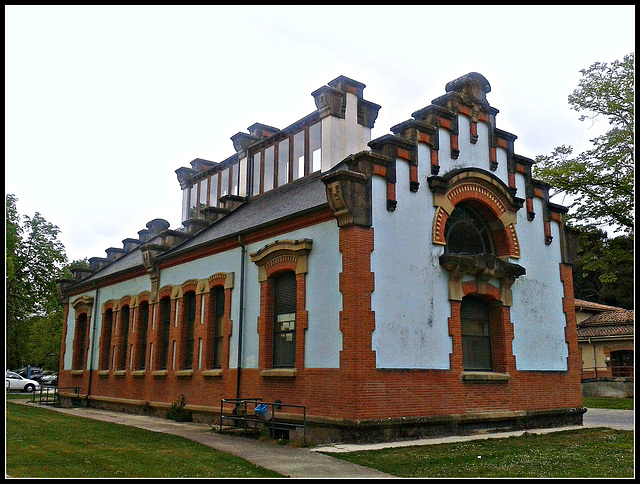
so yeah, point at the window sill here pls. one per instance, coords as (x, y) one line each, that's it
(103, 373)
(120, 373)
(212, 373)
(485, 377)
(77, 372)
(184, 373)
(138, 373)
(159, 373)
(279, 373)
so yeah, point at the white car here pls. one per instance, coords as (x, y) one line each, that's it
(17, 382)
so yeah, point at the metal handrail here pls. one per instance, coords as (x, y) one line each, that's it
(272, 423)
(45, 391)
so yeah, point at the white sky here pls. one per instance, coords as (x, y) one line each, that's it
(104, 103)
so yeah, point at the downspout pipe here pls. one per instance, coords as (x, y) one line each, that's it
(241, 315)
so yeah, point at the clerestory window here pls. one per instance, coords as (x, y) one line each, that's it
(467, 232)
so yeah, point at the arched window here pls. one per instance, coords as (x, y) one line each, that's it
(105, 347)
(284, 334)
(124, 334)
(190, 314)
(217, 315)
(467, 232)
(163, 340)
(79, 354)
(142, 334)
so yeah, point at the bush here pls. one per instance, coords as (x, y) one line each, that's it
(177, 411)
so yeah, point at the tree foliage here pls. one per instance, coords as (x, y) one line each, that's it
(35, 258)
(604, 269)
(600, 180)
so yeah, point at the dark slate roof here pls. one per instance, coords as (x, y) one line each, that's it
(305, 194)
(302, 195)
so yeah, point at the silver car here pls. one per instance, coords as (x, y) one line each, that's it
(19, 383)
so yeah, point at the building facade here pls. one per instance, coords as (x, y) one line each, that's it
(412, 284)
(606, 343)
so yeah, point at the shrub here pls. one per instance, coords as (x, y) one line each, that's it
(177, 411)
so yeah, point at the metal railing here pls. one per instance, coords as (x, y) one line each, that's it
(279, 416)
(606, 372)
(50, 395)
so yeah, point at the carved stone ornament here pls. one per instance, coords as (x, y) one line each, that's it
(482, 267)
(289, 251)
(349, 196)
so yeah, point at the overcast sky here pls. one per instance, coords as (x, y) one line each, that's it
(104, 103)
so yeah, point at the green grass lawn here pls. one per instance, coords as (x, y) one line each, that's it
(571, 453)
(605, 402)
(45, 443)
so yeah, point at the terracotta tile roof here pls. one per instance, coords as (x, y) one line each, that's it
(599, 331)
(583, 305)
(618, 322)
(621, 316)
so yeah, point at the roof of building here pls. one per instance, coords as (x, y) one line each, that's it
(614, 322)
(303, 195)
(588, 306)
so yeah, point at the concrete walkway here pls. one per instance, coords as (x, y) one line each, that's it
(310, 462)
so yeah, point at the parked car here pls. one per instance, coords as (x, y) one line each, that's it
(34, 372)
(20, 383)
(47, 377)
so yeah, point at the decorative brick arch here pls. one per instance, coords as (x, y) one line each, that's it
(492, 198)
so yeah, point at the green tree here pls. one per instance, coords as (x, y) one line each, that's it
(599, 181)
(604, 269)
(35, 258)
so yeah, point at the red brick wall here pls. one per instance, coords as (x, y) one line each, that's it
(358, 390)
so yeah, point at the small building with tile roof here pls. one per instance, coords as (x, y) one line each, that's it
(606, 340)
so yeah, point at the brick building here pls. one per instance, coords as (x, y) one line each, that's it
(412, 284)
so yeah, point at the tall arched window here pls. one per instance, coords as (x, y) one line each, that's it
(163, 340)
(190, 313)
(105, 347)
(475, 326)
(284, 311)
(467, 232)
(79, 353)
(217, 314)
(124, 341)
(142, 334)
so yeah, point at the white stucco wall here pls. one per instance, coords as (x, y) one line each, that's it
(410, 298)
(537, 315)
(342, 137)
(323, 338)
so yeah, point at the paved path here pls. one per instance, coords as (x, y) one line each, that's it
(310, 462)
(605, 417)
